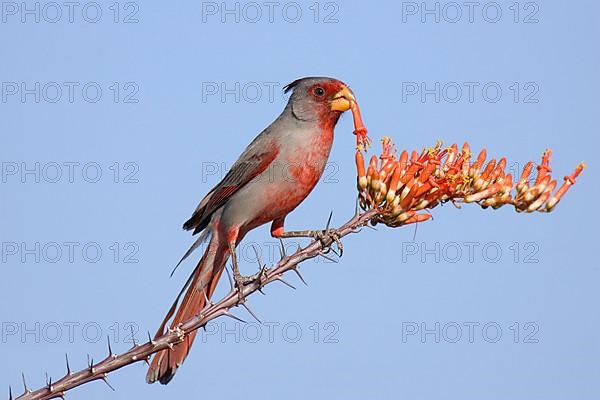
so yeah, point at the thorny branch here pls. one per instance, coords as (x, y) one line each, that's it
(142, 352)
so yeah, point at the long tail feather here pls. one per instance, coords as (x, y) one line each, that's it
(203, 236)
(204, 278)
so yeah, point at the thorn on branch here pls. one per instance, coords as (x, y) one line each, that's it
(334, 251)
(251, 312)
(133, 337)
(206, 299)
(296, 270)
(150, 339)
(68, 366)
(105, 380)
(25, 388)
(230, 315)
(231, 284)
(280, 279)
(282, 248)
(325, 256)
(329, 220)
(49, 383)
(370, 227)
(91, 364)
(110, 352)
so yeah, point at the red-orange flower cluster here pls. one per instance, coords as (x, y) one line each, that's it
(401, 187)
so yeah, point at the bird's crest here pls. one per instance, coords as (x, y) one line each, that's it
(291, 86)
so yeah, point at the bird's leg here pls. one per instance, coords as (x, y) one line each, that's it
(325, 236)
(237, 277)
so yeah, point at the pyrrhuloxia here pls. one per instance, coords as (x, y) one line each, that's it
(271, 178)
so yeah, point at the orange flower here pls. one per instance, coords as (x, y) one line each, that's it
(400, 188)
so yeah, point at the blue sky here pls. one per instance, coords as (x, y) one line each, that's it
(117, 118)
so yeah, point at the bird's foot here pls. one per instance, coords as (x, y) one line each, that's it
(240, 280)
(327, 237)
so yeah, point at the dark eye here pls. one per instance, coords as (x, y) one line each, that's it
(320, 91)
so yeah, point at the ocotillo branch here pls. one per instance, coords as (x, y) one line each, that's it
(142, 352)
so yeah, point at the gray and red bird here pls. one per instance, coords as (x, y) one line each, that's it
(275, 173)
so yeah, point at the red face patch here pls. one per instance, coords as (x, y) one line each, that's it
(324, 91)
(322, 94)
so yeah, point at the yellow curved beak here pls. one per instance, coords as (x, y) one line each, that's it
(342, 101)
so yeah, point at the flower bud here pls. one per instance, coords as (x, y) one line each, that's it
(523, 182)
(417, 218)
(568, 182)
(484, 194)
(361, 175)
(404, 216)
(534, 192)
(479, 162)
(543, 197)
